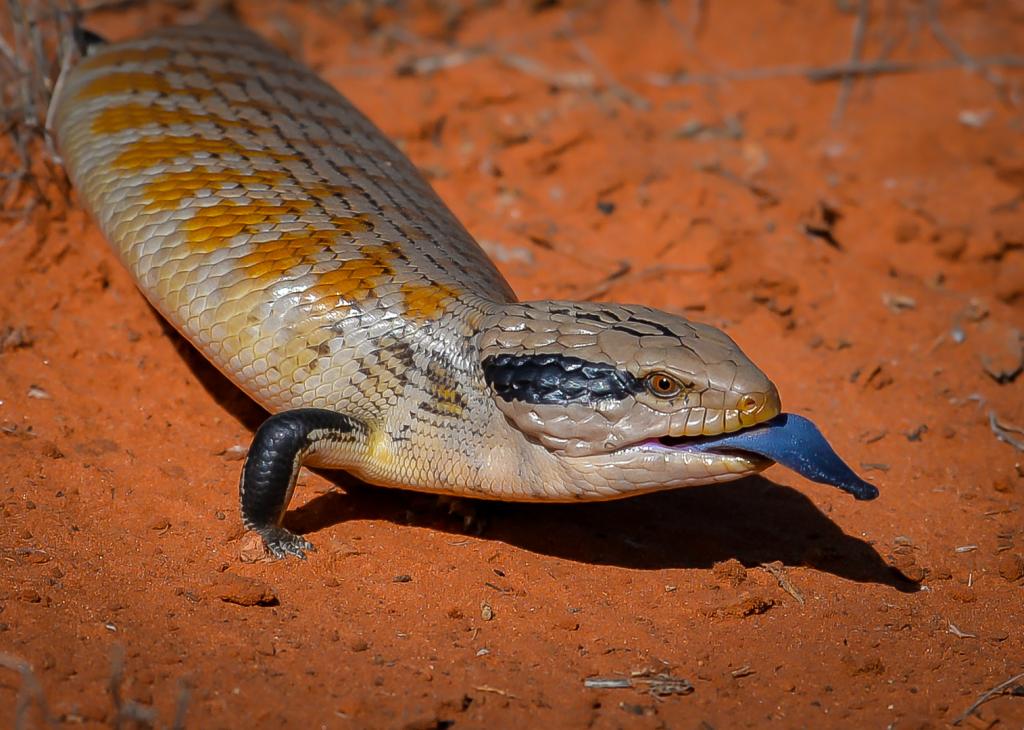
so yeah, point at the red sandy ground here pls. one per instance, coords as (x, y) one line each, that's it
(119, 449)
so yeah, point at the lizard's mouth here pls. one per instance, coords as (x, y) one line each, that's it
(788, 439)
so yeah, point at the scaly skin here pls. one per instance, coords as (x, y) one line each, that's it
(281, 233)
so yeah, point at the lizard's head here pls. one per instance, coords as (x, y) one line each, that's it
(623, 392)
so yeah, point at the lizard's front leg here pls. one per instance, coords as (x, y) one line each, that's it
(278, 450)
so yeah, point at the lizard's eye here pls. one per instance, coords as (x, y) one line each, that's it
(663, 385)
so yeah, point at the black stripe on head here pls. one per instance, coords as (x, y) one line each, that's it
(557, 379)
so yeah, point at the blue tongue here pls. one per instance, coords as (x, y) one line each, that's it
(794, 442)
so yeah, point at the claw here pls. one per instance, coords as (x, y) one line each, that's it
(281, 543)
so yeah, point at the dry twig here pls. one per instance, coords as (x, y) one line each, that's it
(835, 72)
(958, 632)
(29, 692)
(613, 85)
(859, 32)
(578, 80)
(126, 710)
(785, 584)
(1004, 431)
(987, 695)
(767, 197)
(495, 690)
(625, 273)
(181, 705)
(659, 685)
(37, 32)
(940, 34)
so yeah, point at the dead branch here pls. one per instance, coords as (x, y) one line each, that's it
(938, 31)
(835, 72)
(613, 85)
(29, 692)
(859, 32)
(987, 695)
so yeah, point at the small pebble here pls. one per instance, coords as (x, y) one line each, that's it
(906, 231)
(1011, 566)
(1002, 484)
(241, 591)
(34, 391)
(234, 453)
(963, 594)
(30, 595)
(974, 118)
(899, 302)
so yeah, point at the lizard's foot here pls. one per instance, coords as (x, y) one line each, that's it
(281, 543)
(470, 511)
